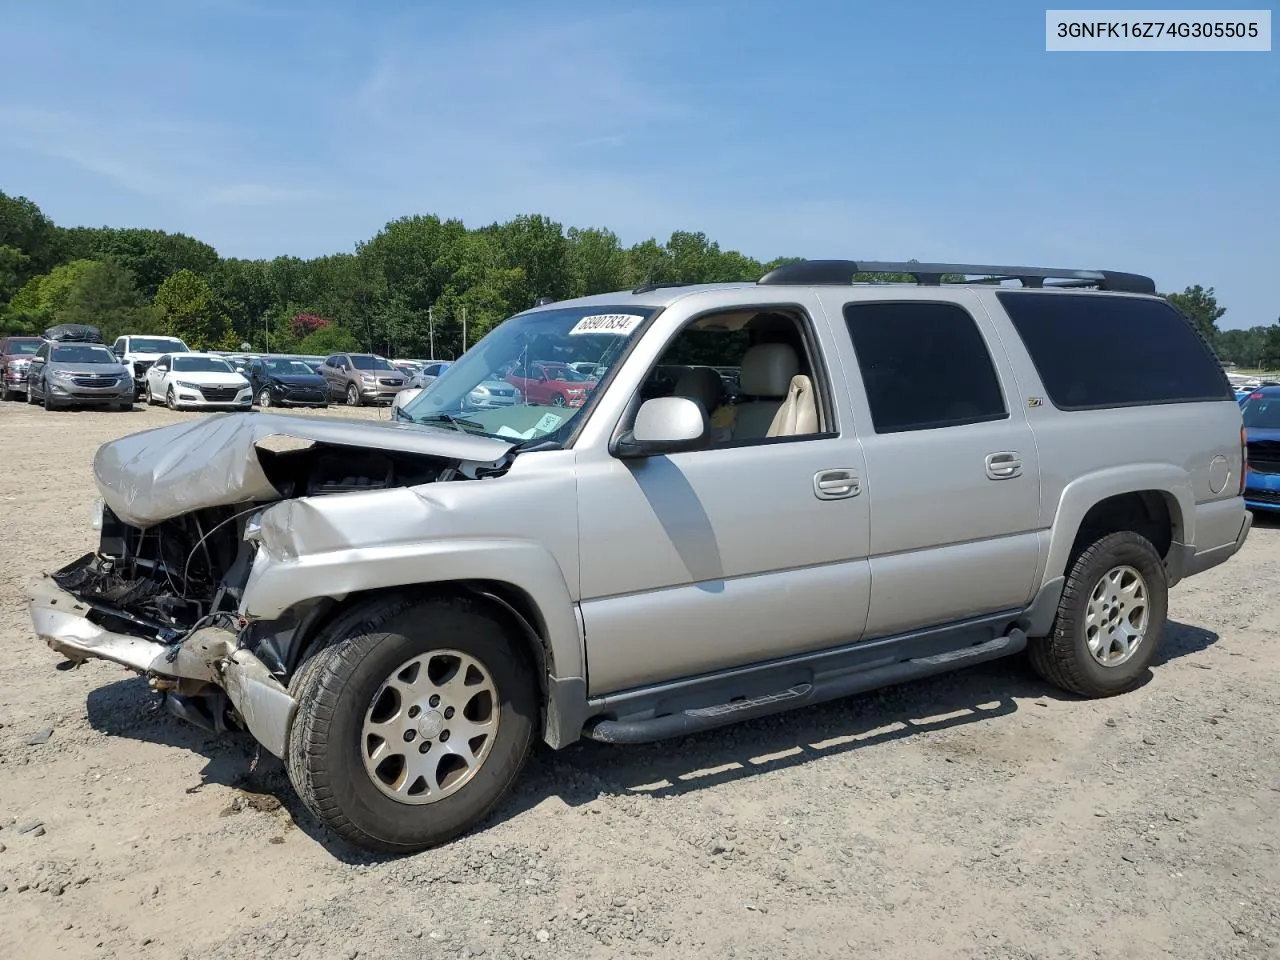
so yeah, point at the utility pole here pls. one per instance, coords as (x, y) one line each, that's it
(431, 331)
(464, 331)
(266, 333)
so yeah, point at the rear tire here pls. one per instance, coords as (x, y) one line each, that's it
(5, 394)
(1110, 618)
(356, 686)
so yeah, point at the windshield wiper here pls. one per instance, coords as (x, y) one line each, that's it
(458, 423)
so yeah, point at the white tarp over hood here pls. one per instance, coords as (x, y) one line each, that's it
(151, 476)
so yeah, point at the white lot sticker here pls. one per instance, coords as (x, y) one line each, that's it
(548, 423)
(619, 324)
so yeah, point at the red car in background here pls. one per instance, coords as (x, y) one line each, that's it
(545, 383)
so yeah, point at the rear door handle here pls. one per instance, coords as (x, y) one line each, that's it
(836, 484)
(1003, 465)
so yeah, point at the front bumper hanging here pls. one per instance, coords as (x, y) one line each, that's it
(210, 655)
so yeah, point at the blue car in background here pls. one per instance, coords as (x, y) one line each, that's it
(1261, 411)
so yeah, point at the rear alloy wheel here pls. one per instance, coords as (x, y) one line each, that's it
(1110, 618)
(415, 718)
(171, 399)
(353, 395)
(264, 398)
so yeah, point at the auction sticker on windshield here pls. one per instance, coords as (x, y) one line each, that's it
(616, 323)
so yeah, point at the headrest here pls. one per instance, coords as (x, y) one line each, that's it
(702, 384)
(767, 369)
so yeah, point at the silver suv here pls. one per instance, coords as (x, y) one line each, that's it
(776, 493)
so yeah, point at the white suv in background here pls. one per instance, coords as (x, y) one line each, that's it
(138, 353)
(185, 380)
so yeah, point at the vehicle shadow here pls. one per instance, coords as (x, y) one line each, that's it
(588, 770)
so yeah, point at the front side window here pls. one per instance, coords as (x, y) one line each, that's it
(83, 353)
(201, 365)
(496, 388)
(924, 365)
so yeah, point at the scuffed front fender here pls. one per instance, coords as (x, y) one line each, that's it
(278, 583)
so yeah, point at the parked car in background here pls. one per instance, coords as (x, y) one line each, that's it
(555, 384)
(138, 353)
(285, 382)
(1261, 413)
(429, 372)
(65, 374)
(360, 378)
(184, 381)
(15, 356)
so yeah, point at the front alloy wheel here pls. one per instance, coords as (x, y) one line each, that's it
(414, 718)
(430, 727)
(264, 398)
(171, 400)
(353, 395)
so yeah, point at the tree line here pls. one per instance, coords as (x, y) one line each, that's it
(421, 287)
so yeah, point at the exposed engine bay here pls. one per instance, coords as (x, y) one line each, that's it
(167, 579)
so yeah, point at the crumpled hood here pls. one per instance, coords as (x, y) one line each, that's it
(151, 476)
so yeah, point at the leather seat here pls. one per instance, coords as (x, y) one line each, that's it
(798, 414)
(701, 384)
(782, 407)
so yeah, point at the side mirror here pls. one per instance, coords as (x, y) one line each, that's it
(118, 351)
(664, 425)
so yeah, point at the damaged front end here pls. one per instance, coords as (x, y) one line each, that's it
(163, 593)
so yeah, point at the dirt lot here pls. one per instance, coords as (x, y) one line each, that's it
(979, 815)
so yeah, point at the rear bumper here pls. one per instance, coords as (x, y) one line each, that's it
(1207, 559)
(210, 655)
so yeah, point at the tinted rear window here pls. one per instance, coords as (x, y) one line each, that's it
(1094, 351)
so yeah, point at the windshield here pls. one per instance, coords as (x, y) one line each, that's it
(83, 354)
(498, 388)
(201, 365)
(1263, 413)
(157, 345)
(370, 363)
(23, 348)
(291, 367)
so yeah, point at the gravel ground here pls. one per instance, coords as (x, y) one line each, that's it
(980, 815)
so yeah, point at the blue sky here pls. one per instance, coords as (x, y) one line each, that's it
(816, 129)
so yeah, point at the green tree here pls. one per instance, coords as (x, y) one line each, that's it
(29, 243)
(328, 339)
(150, 255)
(1201, 307)
(184, 304)
(94, 292)
(594, 262)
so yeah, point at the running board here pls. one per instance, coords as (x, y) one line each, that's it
(695, 720)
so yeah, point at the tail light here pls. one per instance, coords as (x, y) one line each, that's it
(1244, 458)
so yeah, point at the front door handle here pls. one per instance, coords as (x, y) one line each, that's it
(836, 484)
(1003, 465)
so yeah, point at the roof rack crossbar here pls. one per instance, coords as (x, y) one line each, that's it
(650, 285)
(841, 272)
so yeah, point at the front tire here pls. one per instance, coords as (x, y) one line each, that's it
(49, 403)
(151, 397)
(415, 717)
(1110, 618)
(264, 398)
(353, 395)
(171, 399)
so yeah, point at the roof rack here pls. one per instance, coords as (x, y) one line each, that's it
(650, 285)
(821, 272)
